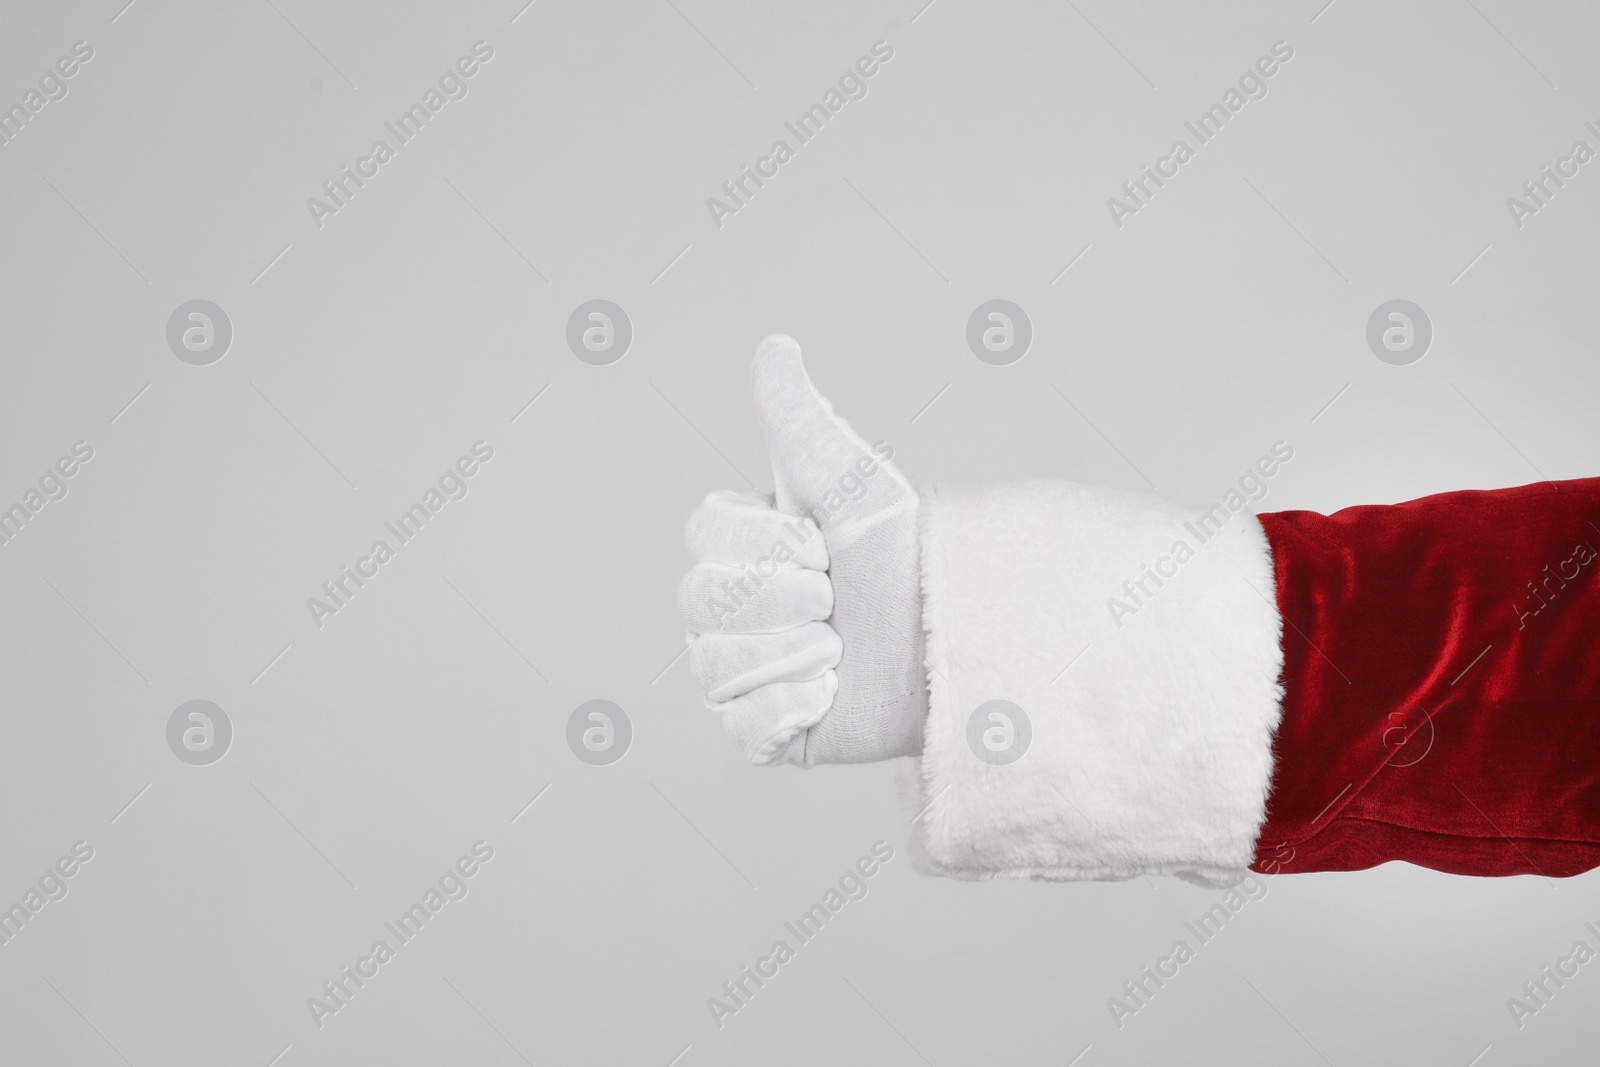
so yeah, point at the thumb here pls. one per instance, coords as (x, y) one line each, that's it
(818, 461)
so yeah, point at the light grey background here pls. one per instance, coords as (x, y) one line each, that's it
(370, 353)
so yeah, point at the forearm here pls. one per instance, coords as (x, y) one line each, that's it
(1434, 706)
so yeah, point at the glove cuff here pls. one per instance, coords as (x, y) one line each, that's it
(1102, 671)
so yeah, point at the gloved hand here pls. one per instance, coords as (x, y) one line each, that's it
(805, 609)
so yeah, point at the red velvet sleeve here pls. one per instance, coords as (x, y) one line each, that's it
(1442, 684)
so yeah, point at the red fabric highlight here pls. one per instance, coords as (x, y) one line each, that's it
(1442, 684)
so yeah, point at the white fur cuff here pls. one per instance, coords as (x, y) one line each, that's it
(1134, 648)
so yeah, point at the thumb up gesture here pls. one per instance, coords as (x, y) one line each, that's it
(805, 608)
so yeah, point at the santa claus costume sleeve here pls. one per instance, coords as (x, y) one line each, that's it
(1120, 686)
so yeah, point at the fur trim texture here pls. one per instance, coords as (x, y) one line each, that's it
(1141, 643)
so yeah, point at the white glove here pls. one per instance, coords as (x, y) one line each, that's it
(808, 645)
